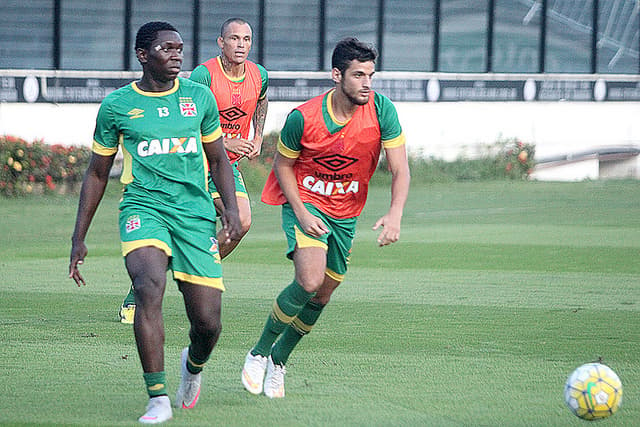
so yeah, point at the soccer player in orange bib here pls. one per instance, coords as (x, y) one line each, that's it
(328, 150)
(240, 87)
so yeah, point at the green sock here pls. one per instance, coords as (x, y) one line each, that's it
(300, 327)
(130, 298)
(156, 383)
(195, 365)
(287, 305)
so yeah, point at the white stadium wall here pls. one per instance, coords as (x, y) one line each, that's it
(440, 130)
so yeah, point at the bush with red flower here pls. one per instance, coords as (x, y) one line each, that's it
(36, 167)
(516, 158)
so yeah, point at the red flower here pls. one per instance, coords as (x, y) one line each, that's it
(50, 183)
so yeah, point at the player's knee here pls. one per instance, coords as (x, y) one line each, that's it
(245, 220)
(246, 225)
(208, 329)
(149, 292)
(309, 282)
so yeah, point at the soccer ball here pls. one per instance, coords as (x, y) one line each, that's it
(593, 391)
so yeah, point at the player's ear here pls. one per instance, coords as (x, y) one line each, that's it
(141, 54)
(336, 75)
(220, 41)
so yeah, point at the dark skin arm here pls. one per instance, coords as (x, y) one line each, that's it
(222, 175)
(93, 187)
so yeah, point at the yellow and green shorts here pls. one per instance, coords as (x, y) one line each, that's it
(337, 242)
(241, 189)
(190, 243)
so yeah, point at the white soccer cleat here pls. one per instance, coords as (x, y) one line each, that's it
(158, 411)
(189, 390)
(253, 373)
(274, 381)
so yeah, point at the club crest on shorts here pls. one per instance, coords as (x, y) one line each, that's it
(214, 250)
(214, 245)
(133, 223)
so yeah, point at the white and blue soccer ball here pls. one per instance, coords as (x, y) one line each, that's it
(593, 391)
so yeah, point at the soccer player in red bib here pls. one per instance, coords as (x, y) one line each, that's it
(328, 150)
(240, 87)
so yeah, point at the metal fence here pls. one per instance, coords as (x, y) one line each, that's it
(454, 36)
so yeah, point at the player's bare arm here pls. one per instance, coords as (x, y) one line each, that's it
(259, 117)
(283, 169)
(222, 176)
(400, 179)
(93, 186)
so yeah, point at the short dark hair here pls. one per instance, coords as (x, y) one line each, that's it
(351, 48)
(149, 32)
(226, 24)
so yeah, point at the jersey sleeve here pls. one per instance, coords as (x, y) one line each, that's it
(390, 129)
(210, 127)
(201, 75)
(289, 144)
(106, 136)
(265, 81)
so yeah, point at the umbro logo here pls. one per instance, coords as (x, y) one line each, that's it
(335, 162)
(231, 114)
(136, 113)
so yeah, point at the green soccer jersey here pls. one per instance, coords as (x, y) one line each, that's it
(161, 135)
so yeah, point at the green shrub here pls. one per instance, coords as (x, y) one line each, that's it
(505, 159)
(500, 161)
(36, 167)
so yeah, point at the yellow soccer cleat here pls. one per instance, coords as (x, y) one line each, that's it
(127, 314)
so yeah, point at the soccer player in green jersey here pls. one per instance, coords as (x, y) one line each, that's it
(240, 88)
(169, 131)
(328, 150)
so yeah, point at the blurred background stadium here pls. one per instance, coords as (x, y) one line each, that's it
(563, 75)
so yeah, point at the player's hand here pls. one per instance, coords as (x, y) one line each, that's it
(257, 147)
(231, 228)
(239, 146)
(390, 229)
(78, 253)
(312, 225)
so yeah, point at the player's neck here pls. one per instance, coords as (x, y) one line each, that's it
(149, 84)
(232, 69)
(343, 108)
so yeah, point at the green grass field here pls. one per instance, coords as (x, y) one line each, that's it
(494, 294)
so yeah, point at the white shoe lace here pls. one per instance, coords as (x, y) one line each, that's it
(276, 378)
(191, 386)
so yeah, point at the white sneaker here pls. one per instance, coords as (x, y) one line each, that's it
(253, 373)
(274, 381)
(189, 390)
(158, 411)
